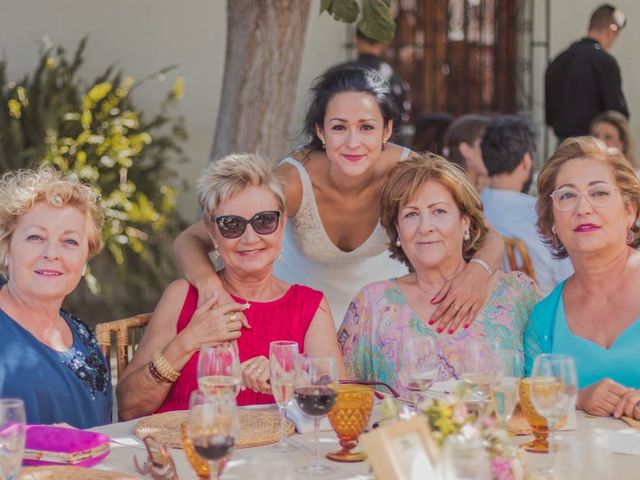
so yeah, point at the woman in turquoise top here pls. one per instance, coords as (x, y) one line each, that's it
(49, 228)
(588, 203)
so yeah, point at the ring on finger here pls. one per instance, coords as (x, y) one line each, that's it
(456, 307)
(233, 316)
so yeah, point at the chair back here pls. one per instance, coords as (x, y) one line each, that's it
(127, 334)
(518, 257)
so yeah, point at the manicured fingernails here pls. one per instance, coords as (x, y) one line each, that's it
(450, 331)
(440, 329)
(431, 322)
(433, 300)
(466, 325)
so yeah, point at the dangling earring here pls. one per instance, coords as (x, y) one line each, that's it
(556, 241)
(6, 261)
(467, 236)
(280, 256)
(398, 244)
(631, 237)
(84, 270)
(324, 146)
(215, 253)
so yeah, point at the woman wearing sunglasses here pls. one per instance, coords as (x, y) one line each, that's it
(588, 203)
(243, 205)
(334, 241)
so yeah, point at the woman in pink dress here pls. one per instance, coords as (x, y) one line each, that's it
(243, 206)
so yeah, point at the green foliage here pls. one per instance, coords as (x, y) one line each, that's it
(95, 131)
(376, 22)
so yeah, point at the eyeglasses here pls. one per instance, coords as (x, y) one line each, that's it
(567, 198)
(233, 226)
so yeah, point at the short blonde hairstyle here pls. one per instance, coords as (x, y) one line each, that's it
(403, 184)
(232, 174)
(20, 190)
(583, 148)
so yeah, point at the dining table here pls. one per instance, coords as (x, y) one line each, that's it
(264, 462)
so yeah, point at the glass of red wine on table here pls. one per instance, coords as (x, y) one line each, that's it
(213, 426)
(316, 388)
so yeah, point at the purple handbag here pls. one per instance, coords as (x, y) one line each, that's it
(48, 445)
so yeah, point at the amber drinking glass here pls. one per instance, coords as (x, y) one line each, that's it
(349, 417)
(539, 425)
(199, 464)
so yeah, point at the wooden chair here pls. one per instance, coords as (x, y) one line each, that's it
(518, 256)
(128, 332)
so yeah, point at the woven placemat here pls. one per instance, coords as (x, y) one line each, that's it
(70, 473)
(257, 428)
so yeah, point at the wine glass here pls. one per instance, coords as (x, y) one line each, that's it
(213, 427)
(553, 391)
(12, 436)
(480, 370)
(463, 459)
(219, 369)
(316, 389)
(282, 363)
(418, 365)
(505, 393)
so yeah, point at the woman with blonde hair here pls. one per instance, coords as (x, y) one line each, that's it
(588, 203)
(244, 212)
(50, 227)
(433, 216)
(613, 129)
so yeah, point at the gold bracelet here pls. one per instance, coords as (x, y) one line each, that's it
(163, 367)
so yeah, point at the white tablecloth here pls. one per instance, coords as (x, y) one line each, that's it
(261, 462)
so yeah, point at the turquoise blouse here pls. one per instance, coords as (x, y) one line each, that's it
(548, 332)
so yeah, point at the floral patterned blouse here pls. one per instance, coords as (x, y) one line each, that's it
(379, 316)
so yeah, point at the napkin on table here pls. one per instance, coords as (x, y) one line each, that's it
(303, 422)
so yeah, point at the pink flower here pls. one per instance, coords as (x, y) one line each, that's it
(501, 469)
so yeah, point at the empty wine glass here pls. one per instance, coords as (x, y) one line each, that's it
(463, 459)
(418, 365)
(282, 363)
(481, 369)
(504, 394)
(12, 436)
(553, 391)
(219, 369)
(316, 389)
(213, 427)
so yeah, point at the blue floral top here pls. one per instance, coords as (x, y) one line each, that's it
(72, 386)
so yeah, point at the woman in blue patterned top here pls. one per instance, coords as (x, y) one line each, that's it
(49, 228)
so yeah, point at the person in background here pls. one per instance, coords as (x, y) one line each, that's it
(334, 241)
(434, 217)
(588, 204)
(462, 147)
(585, 80)
(50, 227)
(429, 133)
(243, 204)
(508, 151)
(613, 129)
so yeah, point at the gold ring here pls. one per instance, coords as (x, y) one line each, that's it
(456, 307)
(233, 316)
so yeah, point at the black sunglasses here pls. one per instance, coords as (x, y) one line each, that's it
(233, 226)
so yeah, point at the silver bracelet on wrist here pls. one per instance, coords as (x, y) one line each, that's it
(484, 265)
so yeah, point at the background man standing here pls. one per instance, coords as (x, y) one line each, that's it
(585, 80)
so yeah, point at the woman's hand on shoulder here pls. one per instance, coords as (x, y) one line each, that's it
(212, 322)
(602, 398)
(255, 374)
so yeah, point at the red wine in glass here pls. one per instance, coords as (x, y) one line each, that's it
(213, 447)
(315, 401)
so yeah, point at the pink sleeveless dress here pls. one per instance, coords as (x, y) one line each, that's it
(286, 318)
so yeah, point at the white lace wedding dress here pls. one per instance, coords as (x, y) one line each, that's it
(309, 257)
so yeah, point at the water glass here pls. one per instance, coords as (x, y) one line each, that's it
(481, 369)
(219, 369)
(504, 394)
(282, 362)
(463, 459)
(418, 365)
(12, 436)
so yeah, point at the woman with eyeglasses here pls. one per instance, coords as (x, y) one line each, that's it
(243, 206)
(588, 203)
(334, 241)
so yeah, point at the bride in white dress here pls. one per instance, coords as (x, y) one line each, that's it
(333, 240)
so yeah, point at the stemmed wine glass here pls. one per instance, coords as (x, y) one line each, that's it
(418, 365)
(463, 459)
(213, 427)
(553, 391)
(282, 362)
(12, 436)
(219, 369)
(481, 369)
(505, 393)
(316, 389)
